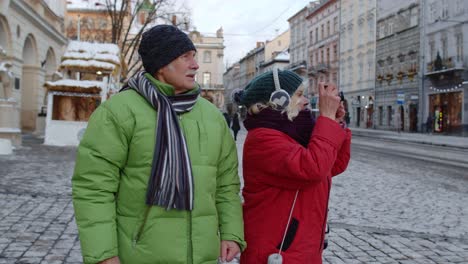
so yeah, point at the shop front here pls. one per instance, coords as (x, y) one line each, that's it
(446, 111)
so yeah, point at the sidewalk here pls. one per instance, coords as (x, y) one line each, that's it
(431, 139)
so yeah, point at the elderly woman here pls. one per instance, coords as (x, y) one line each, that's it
(288, 164)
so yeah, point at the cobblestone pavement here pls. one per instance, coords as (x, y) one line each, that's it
(382, 210)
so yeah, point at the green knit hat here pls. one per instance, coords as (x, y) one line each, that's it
(261, 87)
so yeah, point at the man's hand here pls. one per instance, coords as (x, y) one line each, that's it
(229, 249)
(113, 260)
(340, 113)
(329, 101)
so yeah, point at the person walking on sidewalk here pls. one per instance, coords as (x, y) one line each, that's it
(429, 123)
(235, 126)
(147, 188)
(288, 164)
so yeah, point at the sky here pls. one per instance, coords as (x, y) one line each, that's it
(244, 21)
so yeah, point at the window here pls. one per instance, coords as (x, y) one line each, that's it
(390, 28)
(389, 115)
(311, 38)
(328, 28)
(459, 47)
(206, 78)
(432, 51)
(207, 56)
(321, 56)
(370, 24)
(343, 74)
(335, 25)
(361, 35)
(445, 9)
(316, 35)
(335, 78)
(459, 7)
(361, 71)
(328, 55)
(351, 41)
(279, 43)
(316, 58)
(414, 17)
(322, 32)
(444, 48)
(433, 11)
(380, 115)
(381, 31)
(335, 53)
(312, 59)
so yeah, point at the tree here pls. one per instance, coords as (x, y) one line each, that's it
(130, 18)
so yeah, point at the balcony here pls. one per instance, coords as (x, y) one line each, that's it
(440, 67)
(312, 71)
(323, 67)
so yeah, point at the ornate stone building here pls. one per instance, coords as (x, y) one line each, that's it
(445, 90)
(32, 40)
(397, 63)
(323, 46)
(357, 60)
(210, 56)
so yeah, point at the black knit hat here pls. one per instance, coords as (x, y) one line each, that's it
(162, 44)
(261, 87)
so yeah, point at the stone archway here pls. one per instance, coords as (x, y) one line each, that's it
(29, 84)
(50, 64)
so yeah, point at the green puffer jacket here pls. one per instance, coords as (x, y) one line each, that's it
(111, 176)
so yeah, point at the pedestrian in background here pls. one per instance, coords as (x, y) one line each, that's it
(235, 126)
(429, 123)
(147, 188)
(228, 119)
(288, 164)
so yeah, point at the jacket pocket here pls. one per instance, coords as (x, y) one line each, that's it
(290, 235)
(139, 230)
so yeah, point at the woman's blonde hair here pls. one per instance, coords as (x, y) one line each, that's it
(292, 110)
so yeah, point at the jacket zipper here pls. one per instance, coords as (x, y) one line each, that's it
(322, 238)
(142, 226)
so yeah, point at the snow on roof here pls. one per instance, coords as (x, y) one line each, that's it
(91, 56)
(76, 84)
(93, 48)
(91, 64)
(88, 56)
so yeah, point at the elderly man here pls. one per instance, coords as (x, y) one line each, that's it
(156, 175)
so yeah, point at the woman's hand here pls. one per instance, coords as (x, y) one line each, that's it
(329, 101)
(340, 113)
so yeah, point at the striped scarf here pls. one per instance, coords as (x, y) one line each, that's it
(171, 180)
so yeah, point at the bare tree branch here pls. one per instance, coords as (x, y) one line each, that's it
(127, 29)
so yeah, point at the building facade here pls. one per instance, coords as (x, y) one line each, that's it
(323, 45)
(231, 82)
(357, 60)
(397, 55)
(210, 56)
(445, 90)
(32, 41)
(298, 42)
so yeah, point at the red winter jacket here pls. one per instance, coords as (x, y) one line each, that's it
(275, 166)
